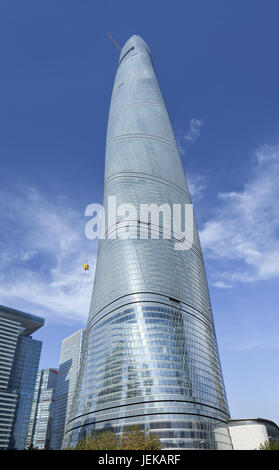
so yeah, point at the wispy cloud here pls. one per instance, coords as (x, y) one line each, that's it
(190, 135)
(245, 228)
(197, 185)
(222, 285)
(194, 131)
(270, 341)
(43, 248)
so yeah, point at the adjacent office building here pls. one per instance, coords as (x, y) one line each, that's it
(41, 421)
(150, 355)
(19, 361)
(250, 433)
(66, 383)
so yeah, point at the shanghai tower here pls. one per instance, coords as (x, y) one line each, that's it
(150, 355)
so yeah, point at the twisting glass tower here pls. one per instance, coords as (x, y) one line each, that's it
(150, 356)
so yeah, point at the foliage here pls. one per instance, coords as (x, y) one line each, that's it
(134, 439)
(104, 441)
(131, 439)
(31, 447)
(269, 445)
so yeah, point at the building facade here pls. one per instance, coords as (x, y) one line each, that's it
(41, 420)
(19, 362)
(150, 357)
(69, 364)
(250, 433)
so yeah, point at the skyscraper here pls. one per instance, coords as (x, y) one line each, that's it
(19, 362)
(41, 420)
(150, 357)
(66, 383)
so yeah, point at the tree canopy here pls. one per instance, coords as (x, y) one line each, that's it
(131, 439)
(269, 445)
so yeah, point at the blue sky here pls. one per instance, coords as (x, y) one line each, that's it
(217, 65)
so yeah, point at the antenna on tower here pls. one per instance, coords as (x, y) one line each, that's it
(114, 41)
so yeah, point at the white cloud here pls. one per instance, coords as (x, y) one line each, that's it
(194, 130)
(197, 184)
(256, 340)
(43, 248)
(222, 285)
(189, 137)
(245, 228)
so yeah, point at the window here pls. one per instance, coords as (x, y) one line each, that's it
(126, 53)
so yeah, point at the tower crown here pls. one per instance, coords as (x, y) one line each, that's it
(135, 45)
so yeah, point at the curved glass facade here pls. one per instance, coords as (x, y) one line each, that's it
(150, 355)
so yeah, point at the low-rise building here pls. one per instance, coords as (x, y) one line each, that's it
(250, 433)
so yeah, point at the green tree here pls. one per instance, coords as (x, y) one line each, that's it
(134, 439)
(131, 439)
(31, 447)
(269, 445)
(103, 441)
